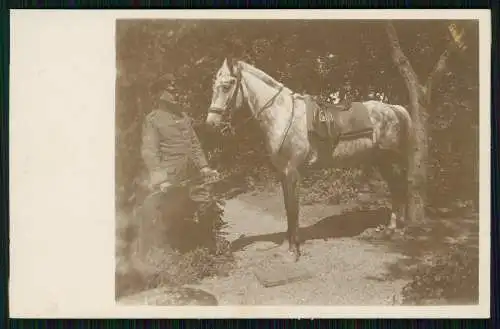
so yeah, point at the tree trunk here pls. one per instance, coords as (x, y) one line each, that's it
(420, 100)
(417, 163)
(418, 150)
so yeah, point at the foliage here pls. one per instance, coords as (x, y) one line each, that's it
(206, 252)
(441, 263)
(177, 269)
(187, 53)
(451, 277)
(173, 269)
(445, 257)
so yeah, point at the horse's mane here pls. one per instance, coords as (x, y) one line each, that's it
(260, 74)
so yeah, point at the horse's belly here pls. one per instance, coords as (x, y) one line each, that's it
(352, 152)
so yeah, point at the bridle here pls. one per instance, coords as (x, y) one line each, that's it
(232, 101)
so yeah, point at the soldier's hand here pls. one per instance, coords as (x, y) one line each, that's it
(210, 174)
(156, 179)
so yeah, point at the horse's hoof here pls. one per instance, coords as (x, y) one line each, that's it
(290, 256)
(287, 257)
(295, 254)
(393, 222)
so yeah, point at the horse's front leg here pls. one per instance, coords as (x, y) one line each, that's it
(289, 183)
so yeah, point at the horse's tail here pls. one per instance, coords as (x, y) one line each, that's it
(405, 146)
(406, 132)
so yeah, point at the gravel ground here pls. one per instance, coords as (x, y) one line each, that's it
(344, 269)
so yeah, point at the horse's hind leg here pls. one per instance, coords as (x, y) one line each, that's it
(403, 189)
(289, 183)
(393, 174)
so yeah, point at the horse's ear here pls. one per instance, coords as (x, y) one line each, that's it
(234, 66)
(230, 62)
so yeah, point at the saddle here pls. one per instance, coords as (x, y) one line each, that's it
(337, 122)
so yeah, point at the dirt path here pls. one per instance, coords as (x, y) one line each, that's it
(344, 269)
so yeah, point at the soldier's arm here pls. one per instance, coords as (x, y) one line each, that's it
(150, 144)
(150, 152)
(198, 155)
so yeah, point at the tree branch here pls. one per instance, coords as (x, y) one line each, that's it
(440, 68)
(437, 73)
(399, 57)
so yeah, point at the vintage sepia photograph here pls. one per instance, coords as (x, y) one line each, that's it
(250, 164)
(297, 162)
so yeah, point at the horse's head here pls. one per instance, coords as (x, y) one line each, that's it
(226, 93)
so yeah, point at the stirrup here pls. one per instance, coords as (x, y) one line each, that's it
(313, 158)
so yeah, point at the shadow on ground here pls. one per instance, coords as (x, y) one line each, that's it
(338, 226)
(442, 254)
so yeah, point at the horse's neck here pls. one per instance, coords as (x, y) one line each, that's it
(269, 115)
(258, 92)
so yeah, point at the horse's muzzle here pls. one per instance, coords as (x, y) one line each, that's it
(214, 118)
(216, 110)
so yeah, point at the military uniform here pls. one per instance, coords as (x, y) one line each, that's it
(170, 148)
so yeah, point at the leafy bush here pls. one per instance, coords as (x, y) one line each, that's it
(175, 269)
(441, 263)
(205, 253)
(452, 277)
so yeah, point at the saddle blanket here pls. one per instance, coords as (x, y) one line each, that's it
(338, 122)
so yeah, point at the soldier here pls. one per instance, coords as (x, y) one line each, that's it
(170, 148)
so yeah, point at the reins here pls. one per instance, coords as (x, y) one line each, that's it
(289, 124)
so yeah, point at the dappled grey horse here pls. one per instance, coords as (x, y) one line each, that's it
(289, 121)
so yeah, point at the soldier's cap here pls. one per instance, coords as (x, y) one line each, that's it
(162, 87)
(167, 96)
